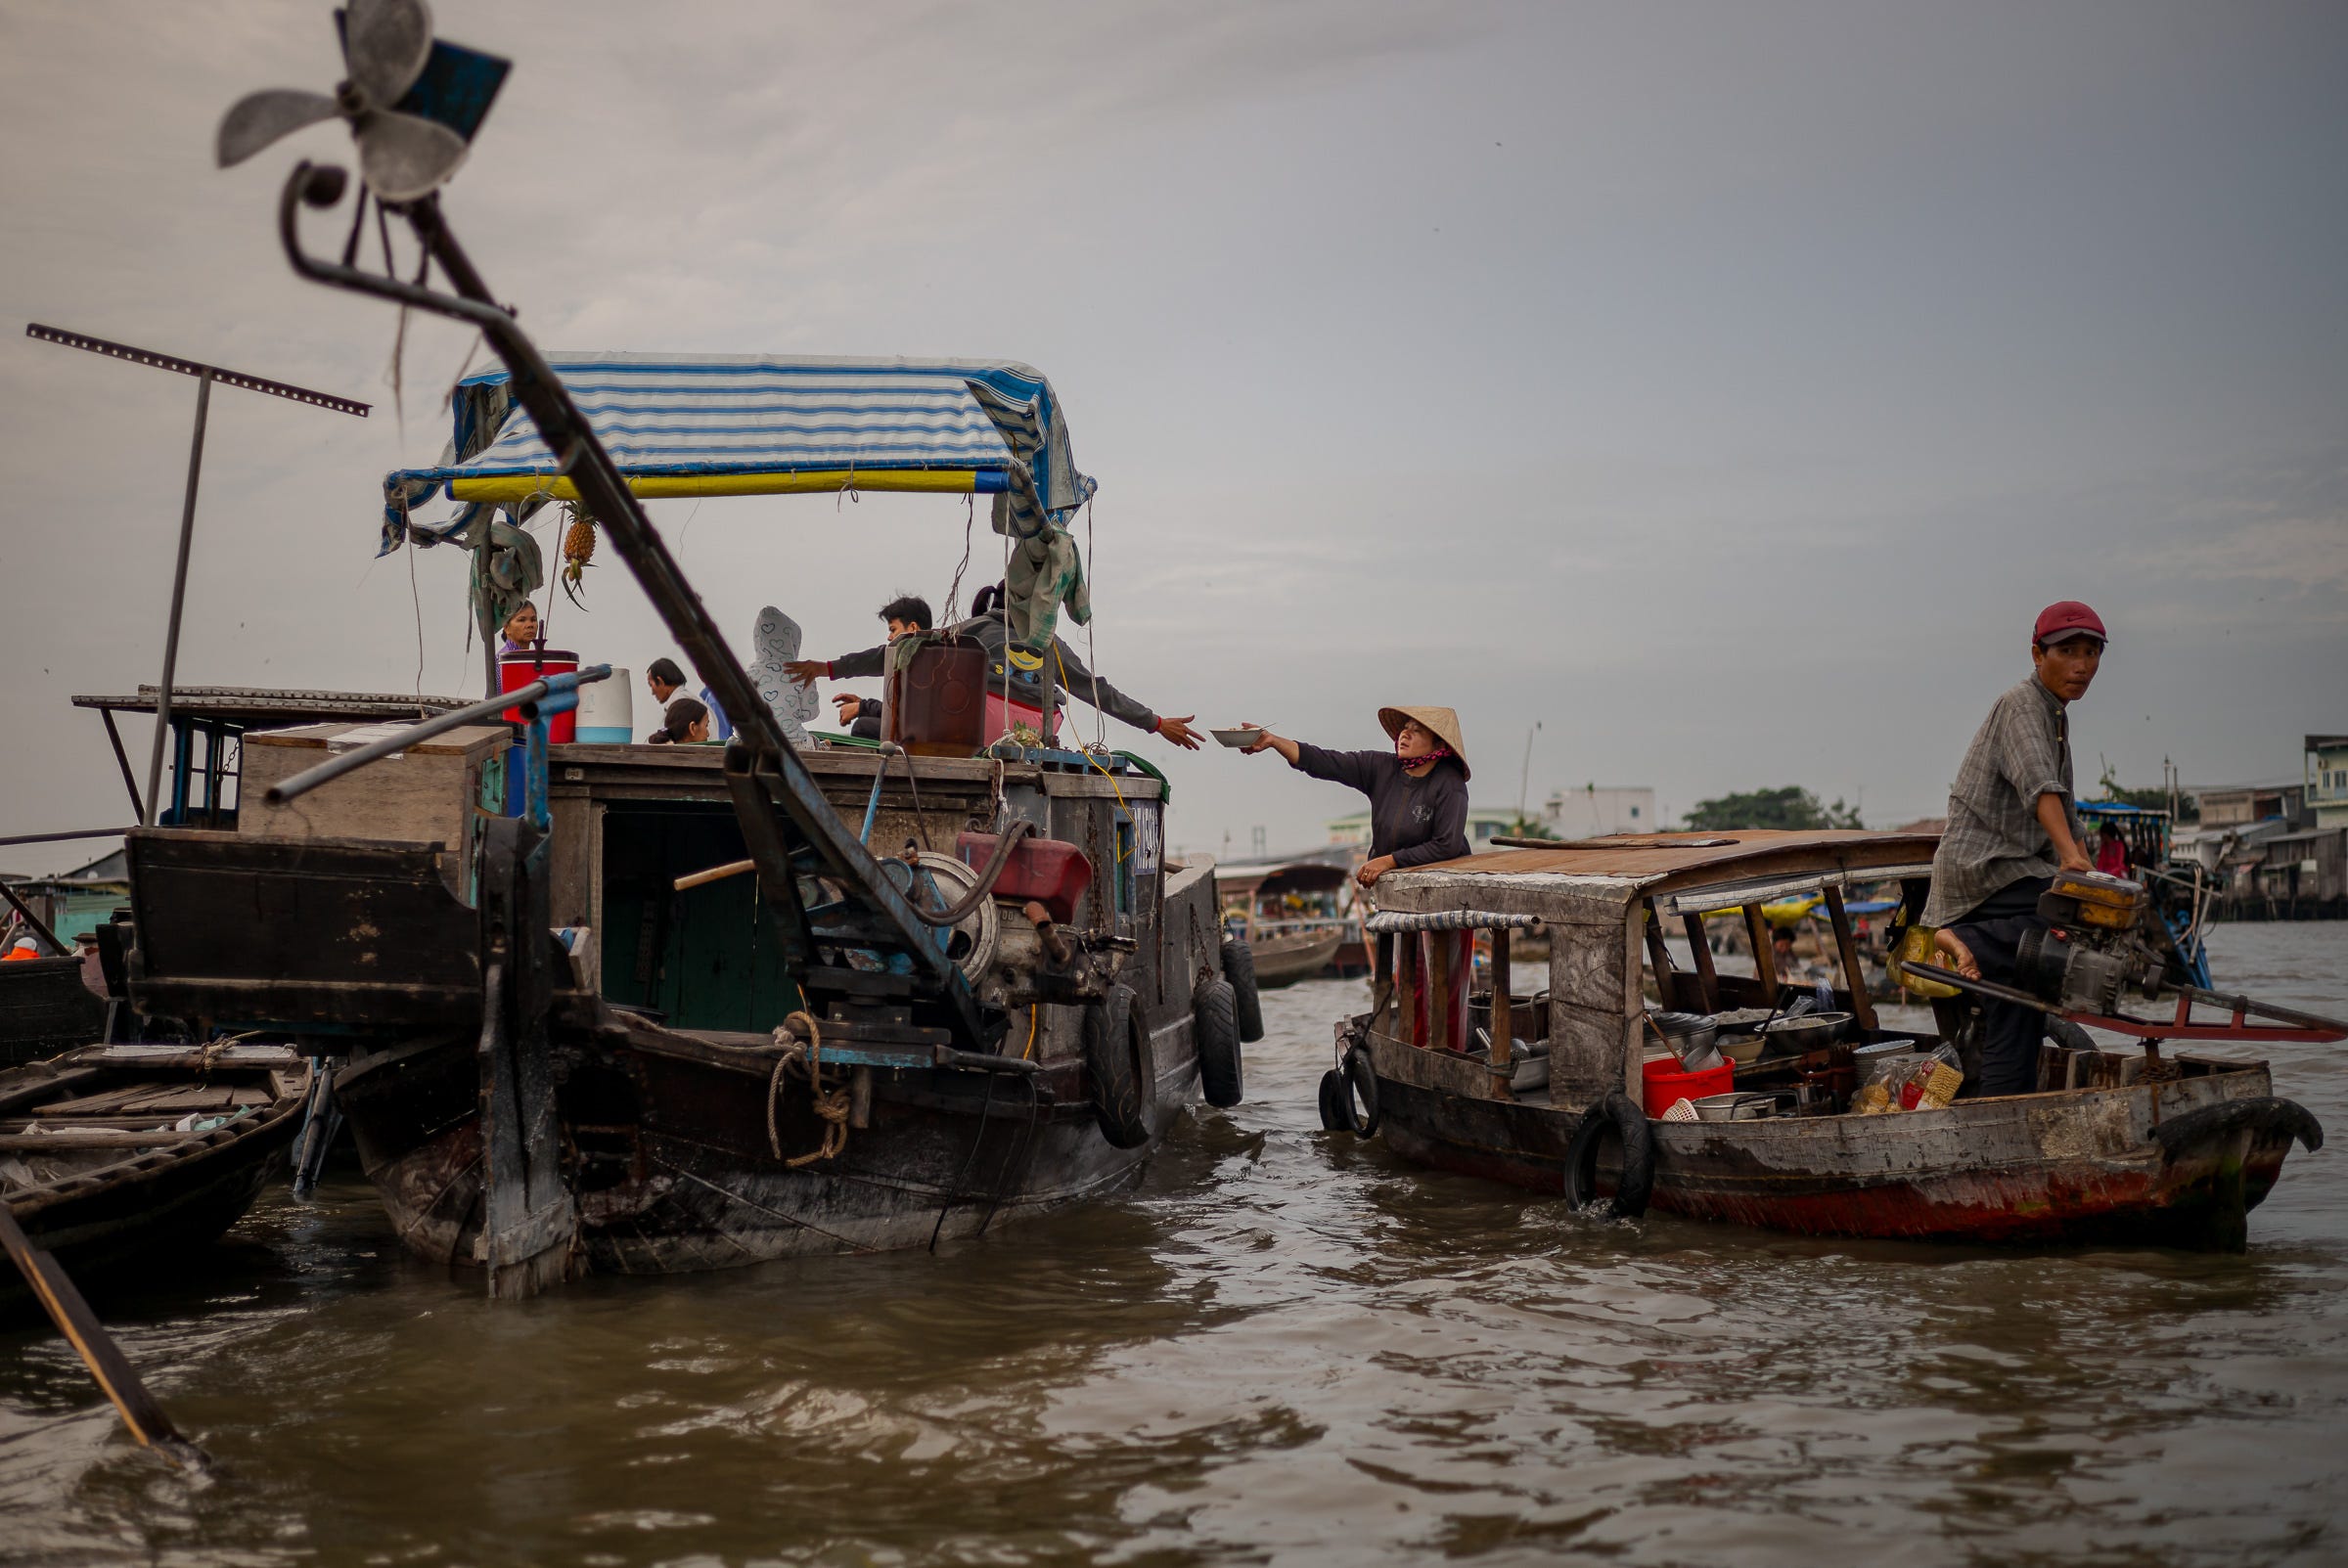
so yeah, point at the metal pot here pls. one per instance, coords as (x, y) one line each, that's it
(1808, 1032)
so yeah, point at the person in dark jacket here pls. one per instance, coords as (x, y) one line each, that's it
(1418, 791)
(1037, 688)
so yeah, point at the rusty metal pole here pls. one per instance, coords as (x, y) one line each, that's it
(179, 598)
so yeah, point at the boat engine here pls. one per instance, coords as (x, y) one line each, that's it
(2092, 947)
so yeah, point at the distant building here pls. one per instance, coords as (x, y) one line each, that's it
(2327, 781)
(1596, 810)
(2239, 805)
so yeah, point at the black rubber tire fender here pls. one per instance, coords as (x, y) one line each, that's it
(2068, 1035)
(1334, 1117)
(1361, 1092)
(1620, 1112)
(1238, 968)
(1120, 1067)
(1215, 1026)
(2266, 1114)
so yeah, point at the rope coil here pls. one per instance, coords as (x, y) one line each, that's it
(832, 1105)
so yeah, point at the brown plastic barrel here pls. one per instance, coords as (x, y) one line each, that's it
(936, 702)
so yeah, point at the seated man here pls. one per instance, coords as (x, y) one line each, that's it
(1030, 688)
(2011, 828)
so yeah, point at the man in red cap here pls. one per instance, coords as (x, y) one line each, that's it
(2012, 827)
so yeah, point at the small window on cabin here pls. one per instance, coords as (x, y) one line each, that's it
(1634, 813)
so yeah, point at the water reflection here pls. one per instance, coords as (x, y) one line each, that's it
(1287, 1345)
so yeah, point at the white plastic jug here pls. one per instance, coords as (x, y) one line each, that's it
(607, 711)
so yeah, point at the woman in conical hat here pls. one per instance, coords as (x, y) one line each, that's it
(1418, 791)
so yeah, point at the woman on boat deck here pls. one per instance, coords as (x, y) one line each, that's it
(1418, 791)
(521, 629)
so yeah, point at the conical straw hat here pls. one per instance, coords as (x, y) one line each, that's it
(1442, 721)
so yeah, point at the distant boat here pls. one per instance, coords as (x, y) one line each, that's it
(1297, 915)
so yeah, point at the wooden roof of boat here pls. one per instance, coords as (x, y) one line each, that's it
(1621, 867)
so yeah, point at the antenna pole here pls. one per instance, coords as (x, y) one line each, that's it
(1525, 778)
(179, 598)
(204, 376)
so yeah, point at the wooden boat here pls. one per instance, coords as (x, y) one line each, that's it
(647, 1009)
(120, 1155)
(1284, 958)
(2137, 1148)
(46, 1006)
(1297, 916)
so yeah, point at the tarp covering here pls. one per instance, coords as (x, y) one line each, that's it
(751, 425)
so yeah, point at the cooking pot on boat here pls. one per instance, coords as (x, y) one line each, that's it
(1808, 1032)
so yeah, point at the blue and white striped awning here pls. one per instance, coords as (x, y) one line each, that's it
(757, 425)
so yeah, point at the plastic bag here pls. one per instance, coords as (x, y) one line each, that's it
(1932, 1080)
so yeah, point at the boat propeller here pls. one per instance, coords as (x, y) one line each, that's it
(412, 102)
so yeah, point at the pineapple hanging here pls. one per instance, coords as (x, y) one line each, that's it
(578, 548)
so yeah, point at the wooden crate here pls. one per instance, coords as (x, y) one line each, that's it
(429, 793)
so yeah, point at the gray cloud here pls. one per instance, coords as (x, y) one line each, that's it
(1724, 387)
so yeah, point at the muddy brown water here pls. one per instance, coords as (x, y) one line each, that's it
(1283, 1347)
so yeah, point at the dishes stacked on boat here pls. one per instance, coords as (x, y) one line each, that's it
(1792, 1034)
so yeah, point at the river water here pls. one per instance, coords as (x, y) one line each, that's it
(1284, 1347)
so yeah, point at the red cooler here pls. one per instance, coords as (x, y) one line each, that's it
(518, 670)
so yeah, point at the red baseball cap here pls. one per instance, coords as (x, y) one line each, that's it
(2058, 621)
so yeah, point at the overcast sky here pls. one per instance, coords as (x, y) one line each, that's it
(1722, 388)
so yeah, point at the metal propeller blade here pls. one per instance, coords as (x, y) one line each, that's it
(404, 156)
(259, 119)
(385, 44)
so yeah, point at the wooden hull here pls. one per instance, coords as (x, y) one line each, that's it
(2072, 1166)
(104, 1209)
(669, 1156)
(674, 1140)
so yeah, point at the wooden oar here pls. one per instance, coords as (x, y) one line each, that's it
(107, 1365)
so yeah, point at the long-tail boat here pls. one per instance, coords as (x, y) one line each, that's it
(2140, 1145)
(574, 1040)
(119, 1158)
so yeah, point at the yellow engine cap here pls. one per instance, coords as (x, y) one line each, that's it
(2096, 889)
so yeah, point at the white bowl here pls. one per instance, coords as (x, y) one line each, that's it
(1236, 738)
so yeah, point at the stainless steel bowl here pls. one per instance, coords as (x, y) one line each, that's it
(1688, 1034)
(1734, 1107)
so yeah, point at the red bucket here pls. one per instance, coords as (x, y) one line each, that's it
(518, 670)
(1662, 1085)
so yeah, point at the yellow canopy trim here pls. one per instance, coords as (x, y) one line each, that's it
(510, 487)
